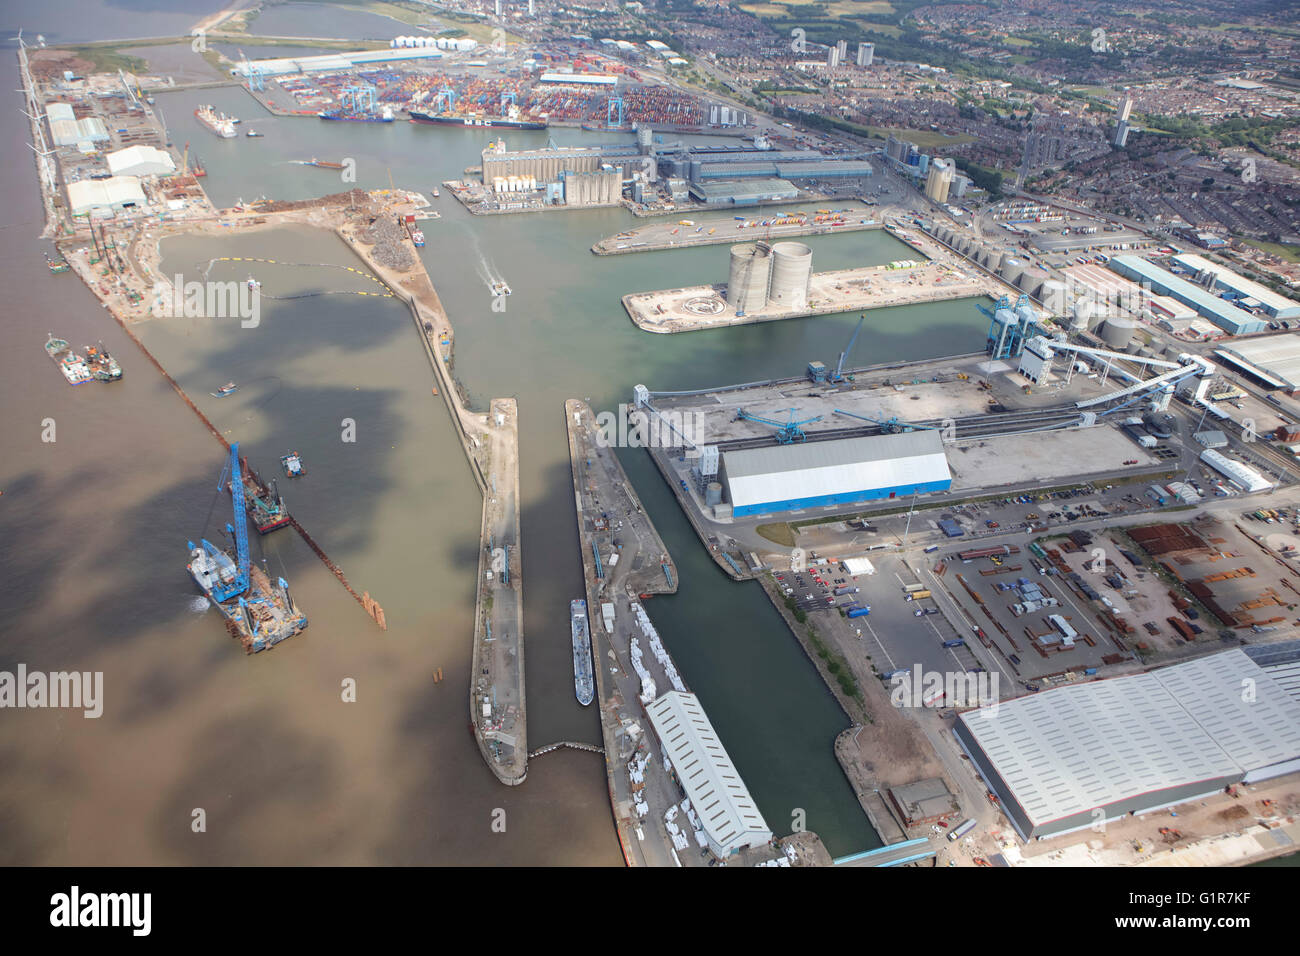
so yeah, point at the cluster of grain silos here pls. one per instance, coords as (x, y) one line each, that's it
(761, 274)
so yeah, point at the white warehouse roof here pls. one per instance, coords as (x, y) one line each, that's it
(1274, 358)
(727, 812)
(140, 161)
(1248, 479)
(1132, 744)
(104, 194)
(1275, 305)
(817, 472)
(597, 79)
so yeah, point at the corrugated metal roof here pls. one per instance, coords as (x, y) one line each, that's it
(1275, 358)
(1279, 305)
(721, 801)
(811, 469)
(1164, 282)
(1069, 750)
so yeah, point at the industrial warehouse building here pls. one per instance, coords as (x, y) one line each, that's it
(726, 811)
(1224, 314)
(105, 197)
(843, 471)
(1239, 287)
(140, 161)
(1065, 759)
(1274, 361)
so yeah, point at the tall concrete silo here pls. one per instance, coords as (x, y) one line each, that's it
(995, 260)
(1118, 332)
(791, 275)
(751, 268)
(1053, 297)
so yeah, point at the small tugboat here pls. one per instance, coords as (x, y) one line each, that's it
(500, 288)
(224, 390)
(69, 362)
(57, 266)
(292, 464)
(253, 134)
(436, 194)
(102, 365)
(417, 237)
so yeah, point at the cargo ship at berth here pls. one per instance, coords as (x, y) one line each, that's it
(219, 123)
(265, 506)
(584, 681)
(102, 366)
(258, 613)
(512, 120)
(352, 116)
(72, 365)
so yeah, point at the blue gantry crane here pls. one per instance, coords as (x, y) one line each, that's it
(787, 432)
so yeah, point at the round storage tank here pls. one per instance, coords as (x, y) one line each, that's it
(1118, 332)
(713, 493)
(1032, 284)
(1009, 273)
(966, 247)
(791, 274)
(751, 267)
(995, 260)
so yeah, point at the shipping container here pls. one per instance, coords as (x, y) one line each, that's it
(859, 612)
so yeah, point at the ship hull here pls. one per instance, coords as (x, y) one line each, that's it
(485, 121)
(339, 118)
(584, 682)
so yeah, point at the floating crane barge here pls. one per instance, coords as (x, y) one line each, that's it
(257, 613)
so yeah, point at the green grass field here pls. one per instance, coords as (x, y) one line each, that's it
(1280, 249)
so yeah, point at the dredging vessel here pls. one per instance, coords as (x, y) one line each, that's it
(217, 122)
(257, 613)
(265, 506)
(584, 682)
(102, 366)
(72, 365)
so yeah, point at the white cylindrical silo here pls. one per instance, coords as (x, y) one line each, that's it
(791, 276)
(751, 268)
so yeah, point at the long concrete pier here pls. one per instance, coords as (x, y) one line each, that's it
(497, 705)
(600, 488)
(712, 232)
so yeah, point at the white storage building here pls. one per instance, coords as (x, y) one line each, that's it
(1244, 477)
(842, 471)
(105, 196)
(727, 812)
(140, 161)
(1065, 759)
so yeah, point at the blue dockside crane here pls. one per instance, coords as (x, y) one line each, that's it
(838, 377)
(238, 529)
(892, 425)
(787, 432)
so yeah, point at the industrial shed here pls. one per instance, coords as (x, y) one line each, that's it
(1067, 758)
(1274, 361)
(140, 161)
(726, 811)
(105, 196)
(843, 471)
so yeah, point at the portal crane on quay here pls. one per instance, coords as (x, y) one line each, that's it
(787, 432)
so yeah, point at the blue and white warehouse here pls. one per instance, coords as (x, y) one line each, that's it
(845, 471)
